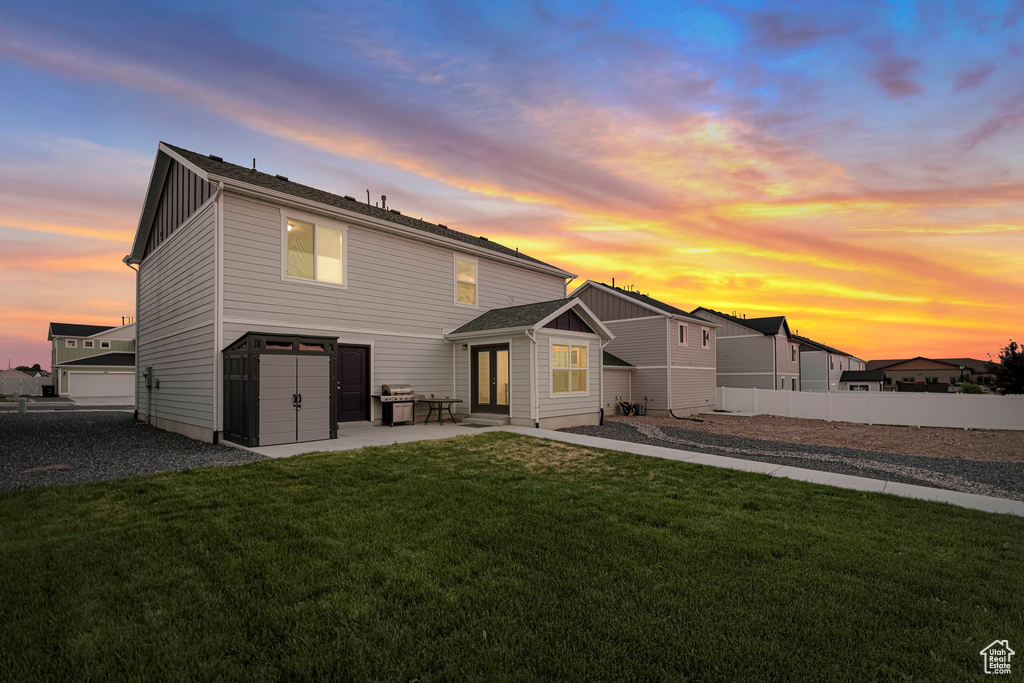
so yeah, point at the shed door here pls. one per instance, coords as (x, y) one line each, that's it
(278, 387)
(314, 389)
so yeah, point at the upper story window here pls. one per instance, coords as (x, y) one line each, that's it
(568, 368)
(831, 365)
(682, 334)
(792, 352)
(314, 252)
(705, 338)
(104, 345)
(71, 343)
(88, 343)
(465, 280)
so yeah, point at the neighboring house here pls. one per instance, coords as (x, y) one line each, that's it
(672, 352)
(862, 380)
(93, 361)
(933, 371)
(232, 261)
(821, 366)
(858, 363)
(15, 381)
(616, 383)
(755, 353)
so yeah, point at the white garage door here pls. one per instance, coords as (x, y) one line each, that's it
(101, 385)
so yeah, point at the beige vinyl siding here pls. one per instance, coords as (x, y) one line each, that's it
(813, 370)
(728, 327)
(639, 342)
(571, 404)
(176, 325)
(64, 354)
(607, 306)
(840, 363)
(617, 382)
(693, 390)
(393, 284)
(745, 362)
(651, 385)
(787, 369)
(692, 355)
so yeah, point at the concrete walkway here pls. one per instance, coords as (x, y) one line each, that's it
(358, 437)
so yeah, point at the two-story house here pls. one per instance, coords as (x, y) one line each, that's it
(93, 361)
(755, 353)
(822, 366)
(337, 298)
(669, 354)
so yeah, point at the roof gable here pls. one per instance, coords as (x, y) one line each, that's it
(648, 302)
(212, 169)
(529, 316)
(75, 330)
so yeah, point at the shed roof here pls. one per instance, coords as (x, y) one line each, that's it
(116, 359)
(862, 376)
(528, 316)
(75, 330)
(215, 166)
(615, 361)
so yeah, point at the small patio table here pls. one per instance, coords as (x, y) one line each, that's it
(436, 404)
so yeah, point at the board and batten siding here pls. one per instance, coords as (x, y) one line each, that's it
(65, 353)
(554, 406)
(393, 284)
(176, 327)
(607, 306)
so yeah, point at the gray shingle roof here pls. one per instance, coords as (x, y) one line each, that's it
(650, 301)
(615, 361)
(862, 376)
(116, 359)
(76, 330)
(225, 169)
(769, 325)
(512, 316)
(818, 345)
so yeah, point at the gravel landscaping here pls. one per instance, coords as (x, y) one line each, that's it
(1000, 479)
(38, 449)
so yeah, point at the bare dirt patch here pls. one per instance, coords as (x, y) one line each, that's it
(934, 442)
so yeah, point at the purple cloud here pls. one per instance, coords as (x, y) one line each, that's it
(972, 78)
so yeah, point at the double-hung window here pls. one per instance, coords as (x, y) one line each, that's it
(682, 334)
(568, 368)
(314, 252)
(705, 338)
(792, 352)
(465, 280)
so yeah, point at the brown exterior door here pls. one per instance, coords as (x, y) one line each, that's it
(490, 379)
(353, 383)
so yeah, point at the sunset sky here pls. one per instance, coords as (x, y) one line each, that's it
(857, 167)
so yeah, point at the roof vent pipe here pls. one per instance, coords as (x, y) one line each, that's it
(254, 163)
(613, 283)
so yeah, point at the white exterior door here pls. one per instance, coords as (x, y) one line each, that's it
(100, 384)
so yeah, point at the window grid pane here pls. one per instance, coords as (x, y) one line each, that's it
(465, 270)
(560, 381)
(329, 249)
(579, 356)
(300, 249)
(559, 356)
(579, 381)
(465, 293)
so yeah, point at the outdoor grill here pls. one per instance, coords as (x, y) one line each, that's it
(398, 403)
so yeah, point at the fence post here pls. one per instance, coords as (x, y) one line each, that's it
(789, 404)
(755, 390)
(828, 407)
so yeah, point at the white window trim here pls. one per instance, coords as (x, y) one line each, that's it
(88, 344)
(686, 335)
(551, 368)
(455, 279)
(794, 353)
(702, 331)
(315, 220)
(104, 344)
(71, 343)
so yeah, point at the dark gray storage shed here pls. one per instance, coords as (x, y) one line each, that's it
(279, 388)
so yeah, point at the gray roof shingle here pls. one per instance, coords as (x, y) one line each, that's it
(769, 325)
(76, 330)
(862, 376)
(818, 345)
(615, 361)
(116, 359)
(218, 167)
(512, 316)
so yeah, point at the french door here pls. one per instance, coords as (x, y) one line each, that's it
(491, 390)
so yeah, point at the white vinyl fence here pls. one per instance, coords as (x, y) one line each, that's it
(966, 411)
(11, 382)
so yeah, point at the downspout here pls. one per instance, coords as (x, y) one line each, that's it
(775, 361)
(600, 378)
(135, 413)
(218, 313)
(534, 408)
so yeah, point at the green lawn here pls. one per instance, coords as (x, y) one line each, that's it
(493, 557)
